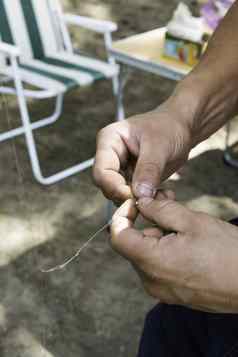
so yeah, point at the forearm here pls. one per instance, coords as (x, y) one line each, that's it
(211, 89)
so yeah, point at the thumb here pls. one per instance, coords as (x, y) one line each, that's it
(125, 239)
(149, 169)
(168, 214)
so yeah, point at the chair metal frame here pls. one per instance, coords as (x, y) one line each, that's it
(13, 54)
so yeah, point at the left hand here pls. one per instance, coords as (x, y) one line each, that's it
(197, 266)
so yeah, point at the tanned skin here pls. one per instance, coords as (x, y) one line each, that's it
(197, 264)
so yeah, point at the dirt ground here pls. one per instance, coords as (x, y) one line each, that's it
(96, 307)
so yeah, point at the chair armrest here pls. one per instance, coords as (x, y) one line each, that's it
(9, 49)
(90, 24)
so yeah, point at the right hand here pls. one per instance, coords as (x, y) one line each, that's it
(134, 156)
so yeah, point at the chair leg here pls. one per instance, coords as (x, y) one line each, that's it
(38, 124)
(118, 88)
(28, 131)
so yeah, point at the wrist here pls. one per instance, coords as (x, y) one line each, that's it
(189, 104)
(205, 103)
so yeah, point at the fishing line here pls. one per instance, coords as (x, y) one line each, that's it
(78, 252)
(21, 181)
(14, 149)
(72, 258)
(84, 246)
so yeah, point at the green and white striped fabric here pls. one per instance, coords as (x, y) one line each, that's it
(29, 25)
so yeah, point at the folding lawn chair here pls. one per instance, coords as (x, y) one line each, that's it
(36, 49)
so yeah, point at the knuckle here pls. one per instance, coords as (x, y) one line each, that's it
(151, 165)
(150, 168)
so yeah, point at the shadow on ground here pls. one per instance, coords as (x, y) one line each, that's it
(96, 307)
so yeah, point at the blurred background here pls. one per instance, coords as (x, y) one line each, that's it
(96, 307)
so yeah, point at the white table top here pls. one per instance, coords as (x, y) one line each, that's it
(145, 52)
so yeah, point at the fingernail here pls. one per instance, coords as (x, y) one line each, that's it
(145, 201)
(145, 190)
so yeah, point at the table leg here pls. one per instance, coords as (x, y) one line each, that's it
(122, 81)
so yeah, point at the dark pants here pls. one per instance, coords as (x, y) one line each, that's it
(174, 331)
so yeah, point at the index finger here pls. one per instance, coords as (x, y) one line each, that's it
(111, 155)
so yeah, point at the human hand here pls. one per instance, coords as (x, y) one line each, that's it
(142, 151)
(196, 266)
